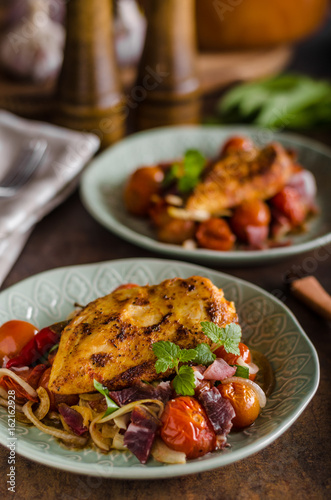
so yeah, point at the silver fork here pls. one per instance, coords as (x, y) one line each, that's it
(25, 165)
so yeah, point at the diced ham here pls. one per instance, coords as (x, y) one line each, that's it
(163, 392)
(219, 370)
(141, 432)
(72, 418)
(220, 412)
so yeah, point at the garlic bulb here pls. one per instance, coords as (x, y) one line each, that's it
(33, 48)
(130, 29)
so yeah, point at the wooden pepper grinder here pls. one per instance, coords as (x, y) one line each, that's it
(167, 83)
(89, 95)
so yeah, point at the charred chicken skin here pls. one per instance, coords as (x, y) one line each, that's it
(242, 176)
(111, 339)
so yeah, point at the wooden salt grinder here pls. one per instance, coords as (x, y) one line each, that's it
(89, 96)
(167, 87)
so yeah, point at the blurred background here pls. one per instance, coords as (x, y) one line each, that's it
(253, 61)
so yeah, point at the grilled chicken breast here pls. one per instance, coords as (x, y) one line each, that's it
(240, 177)
(111, 338)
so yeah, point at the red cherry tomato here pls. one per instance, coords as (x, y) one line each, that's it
(14, 335)
(231, 359)
(186, 428)
(289, 202)
(215, 234)
(250, 213)
(235, 144)
(244, 401)
(141, 186)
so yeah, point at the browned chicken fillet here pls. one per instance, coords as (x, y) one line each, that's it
(240, 177)
(111, 338)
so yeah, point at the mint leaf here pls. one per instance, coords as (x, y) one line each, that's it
(167, 352)
(212, 331)
(204, 356)
(187, 174)
(242, 371)
(111, 405)
(229, 336)
(232, 337)
(183, 383)
(186, 355)
(161, 366)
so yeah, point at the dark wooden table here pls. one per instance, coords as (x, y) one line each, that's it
(295, 466)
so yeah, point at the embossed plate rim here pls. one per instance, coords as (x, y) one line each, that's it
(101, 168)
(217, 459)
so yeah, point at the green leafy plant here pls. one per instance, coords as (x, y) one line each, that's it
(284, 101)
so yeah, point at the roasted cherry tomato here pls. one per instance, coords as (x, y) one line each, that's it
(56, 399)
(235, 144)
(186, 428)
(141, 186)
(176, 231)
(231, 359)
(289, 202)
(159, 213)
(215, 234)
(169, 229)
(250, 213)
(14, 335)
(244, 401)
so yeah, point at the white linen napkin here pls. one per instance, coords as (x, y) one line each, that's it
(67, 153)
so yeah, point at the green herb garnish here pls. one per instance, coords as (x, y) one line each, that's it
(204, 355)
(169, 355)
(111, 405)
(229, 337)
(186, 175)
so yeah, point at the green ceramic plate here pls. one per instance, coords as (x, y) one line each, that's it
(103, 182)
(268, 326)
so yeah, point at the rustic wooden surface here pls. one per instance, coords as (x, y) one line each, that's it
(296, 466)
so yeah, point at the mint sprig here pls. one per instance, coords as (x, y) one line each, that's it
(186, 175)
(229, 336)
(170, 355)
(111, 405)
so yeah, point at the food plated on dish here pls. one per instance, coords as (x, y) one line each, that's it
(247, 197)
(156, 370)
(107, 178)
(268, 328)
